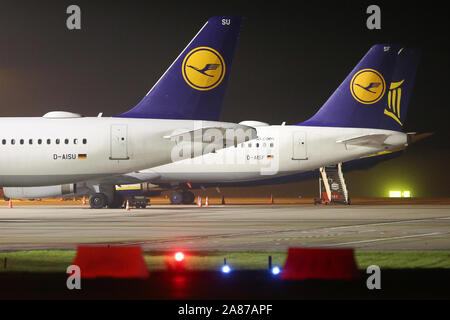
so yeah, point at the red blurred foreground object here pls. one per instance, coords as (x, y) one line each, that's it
(308, 263)
(111, 262)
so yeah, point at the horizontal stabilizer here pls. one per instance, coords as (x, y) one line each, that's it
(377, 140)
(222, 133)
(366, 140)
(208, 137)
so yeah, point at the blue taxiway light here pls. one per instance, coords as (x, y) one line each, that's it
(226, 268)
(276, 270)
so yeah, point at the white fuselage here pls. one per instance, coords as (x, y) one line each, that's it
(277, 151)
(50, 151)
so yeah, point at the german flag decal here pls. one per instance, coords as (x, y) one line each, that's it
(82, 156)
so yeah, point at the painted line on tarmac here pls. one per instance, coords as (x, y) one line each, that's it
(258, 232)
(385, 239)
(20, 220)
(386, 223)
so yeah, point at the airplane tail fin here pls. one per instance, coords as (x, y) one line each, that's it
(401, 88)
(375, 94)
(194, 85)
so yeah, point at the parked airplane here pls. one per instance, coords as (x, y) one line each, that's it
(363, 118)
(360, 125)
(63, 148)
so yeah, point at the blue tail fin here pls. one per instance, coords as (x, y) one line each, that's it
(401, 88)
(194, 85)
(375, 94)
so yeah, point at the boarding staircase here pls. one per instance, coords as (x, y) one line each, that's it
(332, 187)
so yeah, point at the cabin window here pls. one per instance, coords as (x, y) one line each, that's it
(49, 141)
(75, 141)
(4, 141)
(66, 141)
(84, 141)
(257, 145)
(249, 145)
(21, 141)
(30, 141)
(39, 141)
(57, 141)
(13, 141)
(271, 145)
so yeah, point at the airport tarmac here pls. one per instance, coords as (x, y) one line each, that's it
(230, 227)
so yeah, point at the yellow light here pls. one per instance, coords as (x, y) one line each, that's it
(406, 194)
(395, 194)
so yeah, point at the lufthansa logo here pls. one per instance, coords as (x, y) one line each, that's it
(367, 86)
(203, 68)
(394, 98)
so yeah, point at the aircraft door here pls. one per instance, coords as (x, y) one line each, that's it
(119, 142)
(299, 149)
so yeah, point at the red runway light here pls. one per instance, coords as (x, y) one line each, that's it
(179, 256)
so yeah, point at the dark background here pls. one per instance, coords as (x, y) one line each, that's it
(291, 56)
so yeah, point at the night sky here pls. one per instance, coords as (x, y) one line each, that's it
(289, 60)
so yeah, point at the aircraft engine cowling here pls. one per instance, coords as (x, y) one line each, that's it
(40, 192)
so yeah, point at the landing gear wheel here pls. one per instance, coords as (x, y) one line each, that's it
(188, 197)
(98, 201)
(176, 198)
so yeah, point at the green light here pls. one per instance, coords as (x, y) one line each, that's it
(395, 194)
(406, 194)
